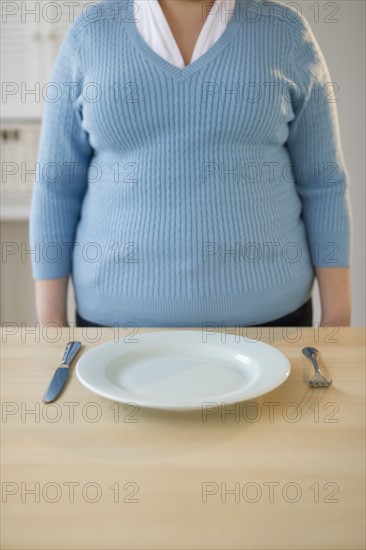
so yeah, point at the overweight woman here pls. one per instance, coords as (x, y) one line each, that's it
(191, 170)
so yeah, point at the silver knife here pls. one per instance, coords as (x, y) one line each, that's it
(61, 374)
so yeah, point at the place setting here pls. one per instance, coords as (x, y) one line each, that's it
(179, 370)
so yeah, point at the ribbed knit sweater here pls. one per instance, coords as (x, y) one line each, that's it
(184, 196)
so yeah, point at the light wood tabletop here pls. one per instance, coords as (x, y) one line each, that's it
(283, 471)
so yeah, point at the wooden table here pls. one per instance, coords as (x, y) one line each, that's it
(283, 471)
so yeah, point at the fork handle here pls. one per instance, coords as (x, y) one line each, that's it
(313, 359)
(312, 354)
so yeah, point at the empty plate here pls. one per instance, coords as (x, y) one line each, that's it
(182, 369)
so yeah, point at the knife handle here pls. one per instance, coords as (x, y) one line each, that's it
(70, 351)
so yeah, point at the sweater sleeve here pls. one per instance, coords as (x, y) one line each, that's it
(63, 157)
(315, 149)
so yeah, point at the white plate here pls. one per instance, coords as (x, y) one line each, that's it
(182, 369)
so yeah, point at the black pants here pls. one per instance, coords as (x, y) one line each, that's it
(301, 317)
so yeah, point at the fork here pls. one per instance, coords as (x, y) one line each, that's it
(318, 380)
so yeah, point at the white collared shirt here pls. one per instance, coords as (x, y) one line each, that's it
(155, 30)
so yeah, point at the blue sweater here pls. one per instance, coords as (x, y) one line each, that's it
(178, 197)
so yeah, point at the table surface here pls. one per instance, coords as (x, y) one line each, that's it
(282, 471)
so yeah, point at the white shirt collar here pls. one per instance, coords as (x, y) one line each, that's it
(155, 30)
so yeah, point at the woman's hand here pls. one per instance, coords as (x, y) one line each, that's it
(51, 301)
(335, 295)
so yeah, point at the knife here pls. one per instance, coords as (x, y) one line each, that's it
(62, 372)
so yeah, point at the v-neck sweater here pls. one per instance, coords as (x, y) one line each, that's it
(190, 196)
(155, 30)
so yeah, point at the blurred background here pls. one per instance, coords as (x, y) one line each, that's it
(32, 32)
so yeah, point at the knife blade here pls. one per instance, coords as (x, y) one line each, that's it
(62, 372)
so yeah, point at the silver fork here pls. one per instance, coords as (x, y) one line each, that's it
(318, 380)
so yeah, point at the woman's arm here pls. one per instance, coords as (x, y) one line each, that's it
(63, 160)
(51, 301)
(335, 295)
(322, 178)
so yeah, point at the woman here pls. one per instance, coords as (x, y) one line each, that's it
(189, 175)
